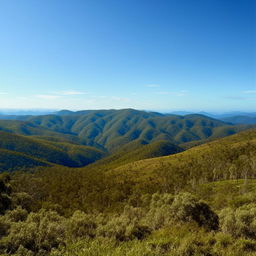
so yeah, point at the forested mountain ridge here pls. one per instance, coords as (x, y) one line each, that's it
(136, 150)
(42, 151)
(110, 129)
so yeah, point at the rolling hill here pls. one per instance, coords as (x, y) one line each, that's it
(112, 182)
(111, 129)
(137, 150)
(43, 151)
(232, 157)
(14, 161)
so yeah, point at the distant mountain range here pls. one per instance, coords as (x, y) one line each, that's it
(76, 139)
(110, 129)
(235, 117)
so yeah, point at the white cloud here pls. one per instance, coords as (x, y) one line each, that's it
(120, 99)
(250, 92)
(152, 85)
(235, 98)
(180, 94)
(3, 93)
(56, 95)
(72, 92)
(164, 92)
(22, 98)
(47, 96)
(101, 97)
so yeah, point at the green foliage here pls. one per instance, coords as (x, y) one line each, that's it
(20, 151)
(187, 207)
(111, 129)
(150, 207)
(81, 225)
(240, 222)
(41, 231)
(5, 191)
(137, 150)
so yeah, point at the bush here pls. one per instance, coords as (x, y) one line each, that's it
(81, 225)
(16, 215)
(159, 213)
(187, 208)
(126, 226)
(240, 222)
(41, 231)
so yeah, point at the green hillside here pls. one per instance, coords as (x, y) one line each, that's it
(144, 196)
(54, 152)
(110, 182)
(197, 202)
(113, 128)
(29, 129)
(232, 157)
(13, 161)
(137, 150)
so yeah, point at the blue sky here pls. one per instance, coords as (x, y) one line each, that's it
(159, 55)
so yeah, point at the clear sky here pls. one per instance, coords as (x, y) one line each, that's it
(158, 55)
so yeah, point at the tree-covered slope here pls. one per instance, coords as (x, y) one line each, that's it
(137, 150)
(110, 185)
(232, 157)
(14, 161)
(29, 129)
(58, 153)
(147, 207)
(113, 128)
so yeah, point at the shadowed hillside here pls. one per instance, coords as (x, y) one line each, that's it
(111, 129)
(14, 161)
(54, 152)
(137, 150)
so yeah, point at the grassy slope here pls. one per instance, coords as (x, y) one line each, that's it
(137, 150)
(230, 157)
(205, 170)
(110, 185)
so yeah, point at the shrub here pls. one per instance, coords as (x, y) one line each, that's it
(81, 225)
(240, 222)
(17, 214)
(159, 213)
(41, 231)
(125, 226)
(187, 207)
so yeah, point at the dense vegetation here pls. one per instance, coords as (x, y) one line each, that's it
(110, 129)
(149, 197)
(36, 152)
